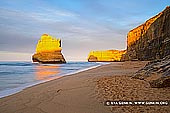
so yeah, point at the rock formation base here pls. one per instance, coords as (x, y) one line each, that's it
(156, 72)
(48, 57)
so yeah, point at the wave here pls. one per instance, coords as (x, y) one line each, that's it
(16, 64)
(16, 76)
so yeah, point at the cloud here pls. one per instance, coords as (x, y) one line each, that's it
(83, 25)
(14, 56)
(21, 30)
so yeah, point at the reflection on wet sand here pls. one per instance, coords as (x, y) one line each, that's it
(43, 72)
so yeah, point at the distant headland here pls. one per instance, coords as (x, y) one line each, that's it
(105, 56)
(148, 41)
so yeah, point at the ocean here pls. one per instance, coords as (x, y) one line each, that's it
(16, 76)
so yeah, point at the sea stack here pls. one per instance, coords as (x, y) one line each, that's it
(48, 50)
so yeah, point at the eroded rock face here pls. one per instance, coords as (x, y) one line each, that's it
(156, 72)
(49, 57)
(150, 40)
(48, 50)
(105, 56)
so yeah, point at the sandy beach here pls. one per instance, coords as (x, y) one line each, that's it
(86, 92)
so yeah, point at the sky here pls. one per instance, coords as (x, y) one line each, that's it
(82, 25)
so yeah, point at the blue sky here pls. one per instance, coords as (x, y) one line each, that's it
(83, 25)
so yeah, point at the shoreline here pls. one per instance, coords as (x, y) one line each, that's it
(79, 93)
(8, 92)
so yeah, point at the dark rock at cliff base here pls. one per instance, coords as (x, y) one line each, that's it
(92, 58)
(49, 57)
(156, 72)
(161, 82)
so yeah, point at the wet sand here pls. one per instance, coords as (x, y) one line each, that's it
(86, 92)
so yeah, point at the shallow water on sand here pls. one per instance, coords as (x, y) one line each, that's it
(15, 76)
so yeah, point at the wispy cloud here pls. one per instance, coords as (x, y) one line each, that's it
(76, 31)
(83, 25)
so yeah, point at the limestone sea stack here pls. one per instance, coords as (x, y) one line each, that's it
(105, 56)
(48, 50)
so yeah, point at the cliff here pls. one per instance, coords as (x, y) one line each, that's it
(150, 40)
(105, 56)
(48, 50)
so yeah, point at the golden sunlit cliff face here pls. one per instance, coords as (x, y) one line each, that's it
(151, 40)
(105, 56)
(48, 50)
(138, 32)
